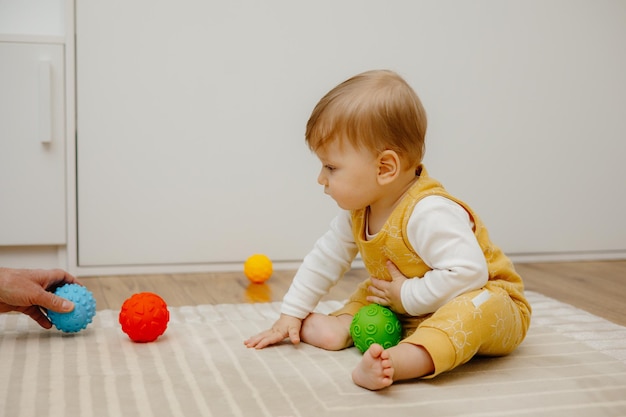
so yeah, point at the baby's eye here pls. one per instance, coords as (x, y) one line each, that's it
(329, 168)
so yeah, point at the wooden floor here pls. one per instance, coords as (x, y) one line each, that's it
(598, 287)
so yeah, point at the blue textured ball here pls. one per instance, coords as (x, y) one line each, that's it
(84, 309)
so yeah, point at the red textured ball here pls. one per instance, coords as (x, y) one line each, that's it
(144, 317)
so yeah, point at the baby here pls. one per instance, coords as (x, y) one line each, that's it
(428, 254)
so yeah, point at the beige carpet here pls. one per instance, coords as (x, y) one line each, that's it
(571, 364)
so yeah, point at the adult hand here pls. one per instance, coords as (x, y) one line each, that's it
(29, 290)
(388, 293)
(285, 326)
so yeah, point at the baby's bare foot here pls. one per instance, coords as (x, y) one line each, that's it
(375, 371)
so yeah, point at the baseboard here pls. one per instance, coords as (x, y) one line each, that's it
(568, 256)
(56, 257)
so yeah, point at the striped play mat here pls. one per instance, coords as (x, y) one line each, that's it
(571, 364)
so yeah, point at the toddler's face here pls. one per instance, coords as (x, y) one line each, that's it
(349, 174)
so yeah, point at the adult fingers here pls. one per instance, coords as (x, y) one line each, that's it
(36, 314)
(53, 302)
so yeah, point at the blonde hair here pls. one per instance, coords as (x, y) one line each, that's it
(377, 110)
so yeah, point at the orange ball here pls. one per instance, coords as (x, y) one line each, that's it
(258, 268)
(144, 317)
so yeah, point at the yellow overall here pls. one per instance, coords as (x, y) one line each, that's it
(492, 320)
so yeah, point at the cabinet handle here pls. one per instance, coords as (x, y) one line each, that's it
(45, 102)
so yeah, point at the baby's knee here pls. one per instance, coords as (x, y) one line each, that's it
(332, 341)
(326, 332)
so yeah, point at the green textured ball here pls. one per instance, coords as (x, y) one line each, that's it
(374, 323)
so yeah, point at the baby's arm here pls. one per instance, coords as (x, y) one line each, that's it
(285, 326)
(441, 232)
(321, 268)
(330, 258)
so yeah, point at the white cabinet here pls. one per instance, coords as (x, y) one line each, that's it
(32, 144)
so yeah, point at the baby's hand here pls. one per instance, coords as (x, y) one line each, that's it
(285, 326)
(387, 293)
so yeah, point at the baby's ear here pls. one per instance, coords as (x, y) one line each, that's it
(388, 166)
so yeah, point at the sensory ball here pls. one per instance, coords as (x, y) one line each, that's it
(374, 323)
(144, 317)
(84, 309)
(258, 268)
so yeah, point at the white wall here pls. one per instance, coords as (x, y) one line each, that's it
(191, 120)
(525, 99)
(527, 103)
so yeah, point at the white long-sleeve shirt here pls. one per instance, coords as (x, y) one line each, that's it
(440, 231)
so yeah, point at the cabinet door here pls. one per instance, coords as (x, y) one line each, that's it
(32, 144)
